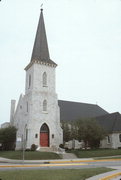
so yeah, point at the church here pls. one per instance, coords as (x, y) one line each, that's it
(38, 113)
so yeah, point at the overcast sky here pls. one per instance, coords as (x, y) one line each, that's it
(84, 38)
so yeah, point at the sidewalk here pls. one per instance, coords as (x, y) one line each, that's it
(106, 175)
(58, 161)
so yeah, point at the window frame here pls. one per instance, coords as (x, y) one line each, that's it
(44, 79)
(29, 81)
(45, 105)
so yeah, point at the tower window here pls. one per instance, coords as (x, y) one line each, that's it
(27, 107)
(44, 79)
(45, 105)
(29, 81)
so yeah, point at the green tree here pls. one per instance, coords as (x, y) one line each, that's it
(8, 138)
(90, 132)
(74, 130)
(66, 131)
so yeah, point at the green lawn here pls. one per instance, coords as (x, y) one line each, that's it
(29, 155)
(65, 174)
(96, 153)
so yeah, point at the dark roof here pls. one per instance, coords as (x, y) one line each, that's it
(40, 49)
(70, 111)
(110, 122)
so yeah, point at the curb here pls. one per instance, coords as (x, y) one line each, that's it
(111, 176)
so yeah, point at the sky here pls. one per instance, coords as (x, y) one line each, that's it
(84, 38)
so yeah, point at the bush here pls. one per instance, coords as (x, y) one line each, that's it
(28, 149)
(61, 146)
(8, 138)
(33, 147)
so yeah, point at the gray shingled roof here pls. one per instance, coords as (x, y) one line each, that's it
(40, 49)
(110, 122)
(70, 111)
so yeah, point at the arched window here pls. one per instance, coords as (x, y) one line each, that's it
(44, 79)
(44, 128)
(120, 137)
(27, 107)
(29, 80)
(45, 105)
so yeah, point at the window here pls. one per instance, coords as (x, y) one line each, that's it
(29, 81)
(44, 105)
(44, 79)
(36, 135)
(120, 137)
(44, 128)
(27, 107)
(52, 136)
(108, 140)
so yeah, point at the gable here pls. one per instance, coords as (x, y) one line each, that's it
(110, 122)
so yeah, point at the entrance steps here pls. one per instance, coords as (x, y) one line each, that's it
(51, 149)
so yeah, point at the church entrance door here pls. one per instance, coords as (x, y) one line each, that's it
(44, 136)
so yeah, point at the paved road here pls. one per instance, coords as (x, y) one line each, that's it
(64, 164)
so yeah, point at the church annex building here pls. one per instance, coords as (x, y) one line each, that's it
(39, 113)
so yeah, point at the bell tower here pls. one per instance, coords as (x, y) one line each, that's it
(41, 103)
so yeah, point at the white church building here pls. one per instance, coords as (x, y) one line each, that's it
(37, 114)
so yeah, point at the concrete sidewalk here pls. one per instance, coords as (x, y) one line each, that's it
(108, 175)
(12, 161)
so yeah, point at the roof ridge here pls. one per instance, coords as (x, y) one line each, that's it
(77, 102)
(108, 114)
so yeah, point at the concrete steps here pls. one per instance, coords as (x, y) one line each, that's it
(51, 149)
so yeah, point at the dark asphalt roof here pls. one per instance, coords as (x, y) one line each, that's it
(70, 111)
(110, 122)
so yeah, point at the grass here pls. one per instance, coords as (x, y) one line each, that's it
(96, 153)
(29, 155)
(110, 157)
(64, 174)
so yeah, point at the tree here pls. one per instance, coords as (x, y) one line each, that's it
(74, 130)
(66, 131)
(90, 132)
(8, 138)
(70, 131)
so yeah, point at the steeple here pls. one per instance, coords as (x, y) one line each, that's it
(40, 53)
(40, 49)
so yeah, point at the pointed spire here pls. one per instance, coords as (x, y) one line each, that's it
(40, 49)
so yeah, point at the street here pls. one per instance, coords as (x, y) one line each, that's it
(64, 164)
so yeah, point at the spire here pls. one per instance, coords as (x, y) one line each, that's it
(40, 49)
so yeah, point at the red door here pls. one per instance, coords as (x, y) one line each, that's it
(44, 139)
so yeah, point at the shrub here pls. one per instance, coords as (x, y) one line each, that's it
(33, 147)
(61, 146)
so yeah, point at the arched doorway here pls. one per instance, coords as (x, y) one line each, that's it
(44, 136)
